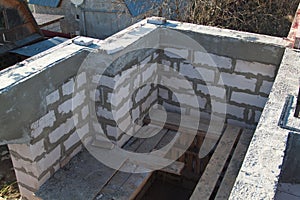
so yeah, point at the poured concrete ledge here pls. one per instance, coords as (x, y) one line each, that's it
(258, 177)
(23, 89)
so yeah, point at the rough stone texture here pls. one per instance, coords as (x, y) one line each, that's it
(258, 178)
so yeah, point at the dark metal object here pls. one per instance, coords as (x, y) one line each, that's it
(285, 114)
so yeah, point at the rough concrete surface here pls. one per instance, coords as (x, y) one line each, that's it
(258, 178)
(81, 178)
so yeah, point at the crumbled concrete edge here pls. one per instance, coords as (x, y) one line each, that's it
(259, 174)
(121, 40)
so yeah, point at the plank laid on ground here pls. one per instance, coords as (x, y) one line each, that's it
(234, 165)
(126, 185)
(209, 179)
(81, 178)
(188, 124)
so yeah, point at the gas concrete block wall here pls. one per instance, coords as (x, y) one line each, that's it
(232, 88)
(54, 137)
(123, 97)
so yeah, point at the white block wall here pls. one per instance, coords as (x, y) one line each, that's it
(54, 137)
(240, 86)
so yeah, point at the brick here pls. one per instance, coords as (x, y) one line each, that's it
(84, 130)
(52, 98)
(206, 74)
(215, 91)
(136, 83)
(135, 114)
(81, 79)
(176, 53)
(172, 108)
(175, 83)
(149, 101)
(68, 88)
(30, 167)
(146, 60)
(78, 100)
(73, 103)
(202, 102)
(189, 71)
(103, 112)
(72, 140)
(44, 122)
(50, 159)
(248, 99)
(190, 100)
(212, 60)
(65, 107)
(163, 93)
(255, 68)
(121, 112)
(233, 110)
(63, 129)
(120, 95)
(106, 81)
(85, 112)
(113, 131)
(266, 87)
(150, 72)
(142, 93)
(27, 179)
(28, 151)
(237, 81)
(125, 124)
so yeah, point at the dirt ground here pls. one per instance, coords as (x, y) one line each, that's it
(8, 185)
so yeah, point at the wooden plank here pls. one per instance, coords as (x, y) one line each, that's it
(149, 144)
(175, 168)
(209, 179)
(234, 165)
(188, 123)
(127, 185)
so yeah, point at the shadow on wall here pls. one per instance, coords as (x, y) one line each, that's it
(289, 181)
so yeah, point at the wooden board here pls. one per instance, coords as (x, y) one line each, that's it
(209, 179)
(187, 125)
(127, 185)
(234, 165)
